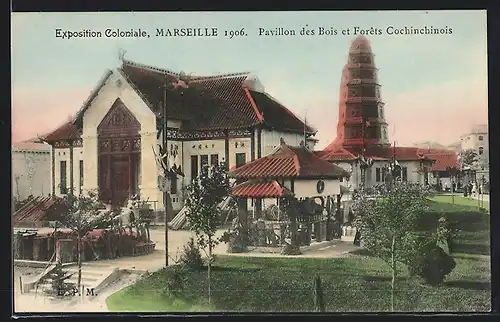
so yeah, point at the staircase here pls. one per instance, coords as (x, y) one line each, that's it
(94, 276)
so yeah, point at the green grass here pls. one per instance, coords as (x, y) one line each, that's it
(358, 283)
(461, 201)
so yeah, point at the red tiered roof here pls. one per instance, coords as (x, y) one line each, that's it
(289, 162)
(260, 189)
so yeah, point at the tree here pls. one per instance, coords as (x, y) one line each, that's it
(59, 285)
(203, 196)
(468, 161)
(388, 221)
(81, 214)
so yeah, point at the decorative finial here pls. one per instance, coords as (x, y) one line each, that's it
(282, 141)
(121, 54)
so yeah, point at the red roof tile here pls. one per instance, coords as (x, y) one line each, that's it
(67, 131)
(260, 189)
(444, 161)
(442, 158)
(33, 210)
(289, 162)
(211, 102)
(336, 154)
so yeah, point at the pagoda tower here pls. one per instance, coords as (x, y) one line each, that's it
(361, 109)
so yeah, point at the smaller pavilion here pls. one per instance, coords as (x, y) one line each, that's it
(291, 173)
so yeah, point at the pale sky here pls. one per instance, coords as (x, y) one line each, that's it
(434, 86)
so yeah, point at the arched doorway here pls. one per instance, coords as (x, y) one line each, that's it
(119, 143)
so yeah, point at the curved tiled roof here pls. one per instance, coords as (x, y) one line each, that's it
(260, 189)
(67, 131)
(289, 162)
(217, 102)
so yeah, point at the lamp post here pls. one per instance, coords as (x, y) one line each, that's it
(165, 168)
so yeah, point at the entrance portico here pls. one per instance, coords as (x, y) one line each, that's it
(119, 139)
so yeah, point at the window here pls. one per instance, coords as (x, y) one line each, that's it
(377, 174)
(63, 184)
(384, 174)
(203, 160)
(481, 150)
(81, 173)
(404, 174)
(194, 167)
(214, 159)
(173, 184)
(240, 159)
(480, 138)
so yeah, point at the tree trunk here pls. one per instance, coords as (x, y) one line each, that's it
(393, 268)
(79, 251)
(209, 270)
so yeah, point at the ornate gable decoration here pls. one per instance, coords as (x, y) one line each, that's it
(119, 120)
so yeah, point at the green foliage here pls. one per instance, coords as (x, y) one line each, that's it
(352, 284)
(59, 285)
(191, 256)
(432, 264)
(319, 301)
(385, 222)
(174, 283)
(469, 158)
(81, 213)
(389, 218)
(234, 241)
(202, 198)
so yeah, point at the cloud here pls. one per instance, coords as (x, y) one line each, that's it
(38, 111)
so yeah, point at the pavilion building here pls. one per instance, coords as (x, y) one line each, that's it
(112, 144)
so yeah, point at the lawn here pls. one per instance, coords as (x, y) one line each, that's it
(359, 282)
(462, 201)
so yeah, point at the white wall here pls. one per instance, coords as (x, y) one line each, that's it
(93, 117)
(62, 154)
(271, 140)
(305, 188)
(39, 184)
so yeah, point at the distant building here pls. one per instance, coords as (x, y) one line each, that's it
(477, 139)
(30, 169)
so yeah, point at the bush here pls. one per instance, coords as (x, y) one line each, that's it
(59, 285)
(235, 242)
(191, 256)
(288, 249)
(175, 282)
(432, 264)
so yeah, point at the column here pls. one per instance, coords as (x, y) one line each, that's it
(150, 170)
(71, 172)
(90, 166)
(53, 168)
(243, 217)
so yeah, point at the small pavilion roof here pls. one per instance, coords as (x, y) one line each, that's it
(289, 162)
(259, 189)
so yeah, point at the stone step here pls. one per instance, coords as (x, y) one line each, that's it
(87, 272)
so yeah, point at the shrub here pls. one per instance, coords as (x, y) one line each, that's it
(191, 256)
(432, 264)
(59, 285)
(175, 282)
(289, 249)
(234, 241)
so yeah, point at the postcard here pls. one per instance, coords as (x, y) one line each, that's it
(250, 162)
